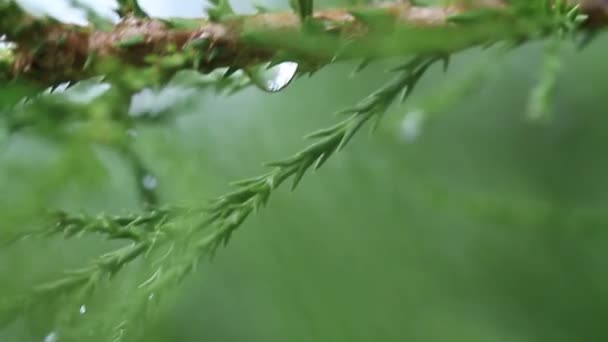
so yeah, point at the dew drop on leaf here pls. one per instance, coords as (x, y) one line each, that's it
(275, 78)
(53, 336)
(83, 309)
(149, 182)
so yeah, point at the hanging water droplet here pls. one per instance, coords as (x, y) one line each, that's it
(83, 309)
(53, 336)
(275, 78)
(149, 182)
(411, 126)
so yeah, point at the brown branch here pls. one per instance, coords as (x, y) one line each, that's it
(597, 10)
(63, 50)
(56, 52)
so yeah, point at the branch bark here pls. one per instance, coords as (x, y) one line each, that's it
(49, 52)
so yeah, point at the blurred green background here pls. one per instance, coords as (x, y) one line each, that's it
(484, 227)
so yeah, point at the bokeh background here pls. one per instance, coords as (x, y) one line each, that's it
(458, 220)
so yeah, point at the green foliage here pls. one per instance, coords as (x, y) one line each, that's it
(303, 7)
(130, 7)
(167, 241)
(541, 95)
(221, 9)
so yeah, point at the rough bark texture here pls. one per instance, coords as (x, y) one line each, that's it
(50, 52)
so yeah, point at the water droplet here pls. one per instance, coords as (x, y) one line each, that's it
(59, 88)
(411, 126)
(149, 182)
(275, 78)
(88, 91)
(150, 103)
(132, 133)
(53, 336)
(151, 296)
(4, 44)
(83, 309)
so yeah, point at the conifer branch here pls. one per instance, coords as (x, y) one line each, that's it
(49, 52)
(227, 213)
(131, 227)
(217, 221)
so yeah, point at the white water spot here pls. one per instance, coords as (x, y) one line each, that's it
(60, 88)
(275, 78)
(132, 133)
(82, 92)
(149, 182)
(5, 45)
(83, 309)
(87, 94)
(53, 336)
(412, 125)
(152, 103)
